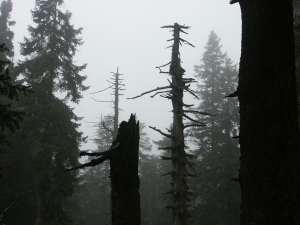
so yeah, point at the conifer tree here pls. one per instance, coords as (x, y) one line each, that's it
(217, 152)
(49, 136)
(9, 89)
(6, 35)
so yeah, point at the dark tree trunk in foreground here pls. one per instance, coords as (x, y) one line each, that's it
(125, 181)
(296, 4)
(269, 133)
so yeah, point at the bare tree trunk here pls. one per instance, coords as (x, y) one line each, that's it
(124, 175)
(269, 131)
(297, 48)
(174, 92)
(116, 118)
(179, 173)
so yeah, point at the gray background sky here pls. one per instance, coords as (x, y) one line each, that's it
(127, 34)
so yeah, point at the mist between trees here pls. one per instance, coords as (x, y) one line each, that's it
(42, 136)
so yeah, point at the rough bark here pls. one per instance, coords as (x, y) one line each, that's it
(296, 4)
(179, 173)
(125, 181)
(269, 131)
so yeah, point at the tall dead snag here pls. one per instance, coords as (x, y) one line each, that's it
(174, 92)
(125, 184)
(116, 85)
(269, 131)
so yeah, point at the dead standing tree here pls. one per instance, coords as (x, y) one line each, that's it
(123, 156)
(174, 92)
(116, 85)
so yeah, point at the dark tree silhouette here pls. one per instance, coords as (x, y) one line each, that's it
(174, 92)
(296, 4)
(9, 89)
(269, 131)
(123, 156)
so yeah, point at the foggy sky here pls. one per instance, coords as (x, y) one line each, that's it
(127, 34)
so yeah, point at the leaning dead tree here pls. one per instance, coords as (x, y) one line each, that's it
(123, 155)
(180, 159)
(116, 85)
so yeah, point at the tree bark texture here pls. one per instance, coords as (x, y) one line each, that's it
(179, 172)
(269, 132)
(296, 4)
(124, 175)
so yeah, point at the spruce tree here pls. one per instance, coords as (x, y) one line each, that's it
(9, 89)
(218, 196)
(49, 137)
(6, 35)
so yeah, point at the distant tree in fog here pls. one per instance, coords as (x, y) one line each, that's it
(49, 139)
(218, 198)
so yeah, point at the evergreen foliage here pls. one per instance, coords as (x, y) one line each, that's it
(6, 35)
(217, 197)
(9, 115)
(49, 139)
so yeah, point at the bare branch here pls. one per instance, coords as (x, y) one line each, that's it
(162, 71)
(233, 1)
(164, 65)
(189, 118)
(162, 133)
(234, 94)
(183, 31)
(100, 101)
(101, 90)
(186, 42)
(191, 92)
(185, 105)
(168, 26)
(160, 92)
(147, 92)
(199, 112)
(84, 153)
(93, 162)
